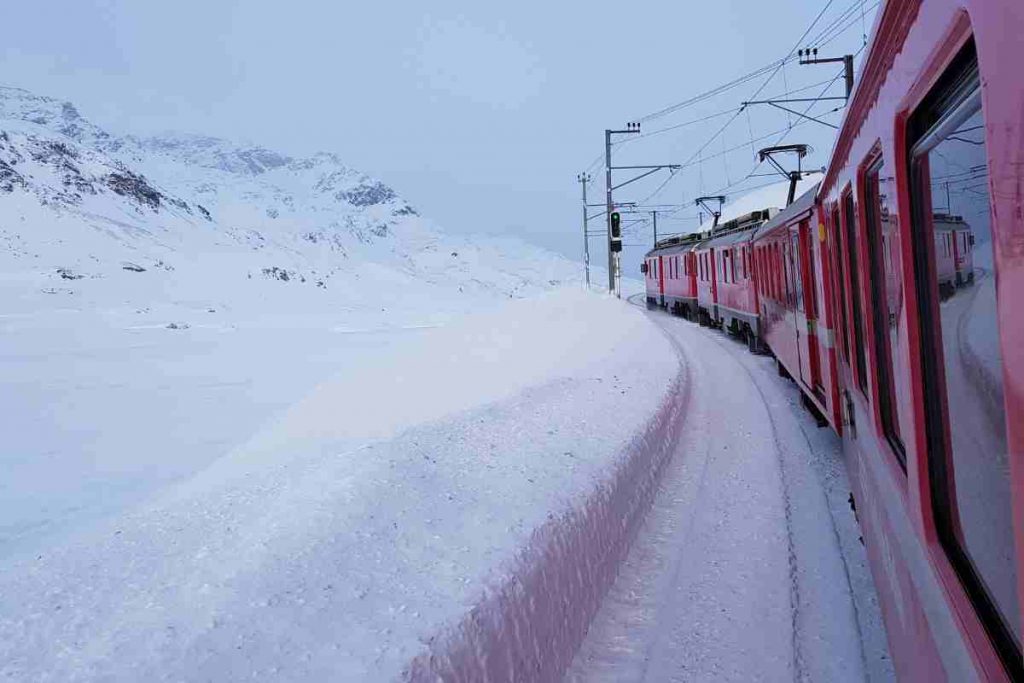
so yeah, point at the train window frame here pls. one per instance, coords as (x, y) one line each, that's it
(854, 265)
(884, 384)
(954, 97)
(840, 277)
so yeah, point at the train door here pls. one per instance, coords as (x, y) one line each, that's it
(661, 281)
(691, 258)
(810, 300)
(713, 267)
(791, 254)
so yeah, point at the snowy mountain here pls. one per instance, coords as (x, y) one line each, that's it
(157, 220)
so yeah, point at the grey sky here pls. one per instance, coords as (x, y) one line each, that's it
(480, 113)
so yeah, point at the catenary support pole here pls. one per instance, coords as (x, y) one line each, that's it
(585, 178)
(608, 202)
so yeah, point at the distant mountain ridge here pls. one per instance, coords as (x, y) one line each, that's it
(242, 210)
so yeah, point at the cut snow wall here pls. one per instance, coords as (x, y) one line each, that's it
(529, 627)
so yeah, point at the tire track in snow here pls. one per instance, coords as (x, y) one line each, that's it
(704, 593)
(799, 669)
(860, 625)
(738, 355)
(651, 616)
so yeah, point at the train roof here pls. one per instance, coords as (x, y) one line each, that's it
(801, 204)
(946, 221)
(741, 219)
(773, 195)
(676, 244)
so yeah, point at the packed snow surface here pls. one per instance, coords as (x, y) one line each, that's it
(262, 419)
(339, 538)
(162, 298)
(749, 566)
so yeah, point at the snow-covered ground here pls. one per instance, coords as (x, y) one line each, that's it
(262, 420)
(162, 298)
(374, 512)
(749, 566)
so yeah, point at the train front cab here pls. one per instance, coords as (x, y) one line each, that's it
(932, 377)
(654, 280)
(680, 281)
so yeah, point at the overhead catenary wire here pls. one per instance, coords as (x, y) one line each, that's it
(827, 33)
(757, 92)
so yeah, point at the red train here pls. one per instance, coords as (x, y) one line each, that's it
(887, 294)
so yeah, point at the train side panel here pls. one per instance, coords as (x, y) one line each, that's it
(930, 373)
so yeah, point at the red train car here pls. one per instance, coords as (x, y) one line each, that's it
(797, 326)
(922, 205)
(726, 293)
(707, 283)
(736, 309)
(670, 275)
(888, 294)
(654, 278)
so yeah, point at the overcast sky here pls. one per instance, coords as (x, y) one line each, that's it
(481, 114)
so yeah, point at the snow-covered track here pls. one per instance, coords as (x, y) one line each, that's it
(748, 567)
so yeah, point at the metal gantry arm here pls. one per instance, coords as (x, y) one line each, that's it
(651, 169)
(775, 103)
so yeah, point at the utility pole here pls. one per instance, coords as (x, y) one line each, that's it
(615, 242)
(613, 258)
(583, 179)
(654, 219)
(608, 204)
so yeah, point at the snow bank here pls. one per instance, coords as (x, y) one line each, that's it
(455, 506)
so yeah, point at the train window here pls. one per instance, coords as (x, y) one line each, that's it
(781, 273)
(773, 264)
(759, 269)
(856, 312)
(813, 291)
(837, 246)
(732, 264)
(798, 285)
(773, 268)
(962, 367)
(886, 284)
(780, 255)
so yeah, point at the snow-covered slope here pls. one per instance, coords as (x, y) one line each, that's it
(147, 222)
(161, 298)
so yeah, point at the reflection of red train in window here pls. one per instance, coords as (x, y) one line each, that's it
(889, 293)
(954, 243)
